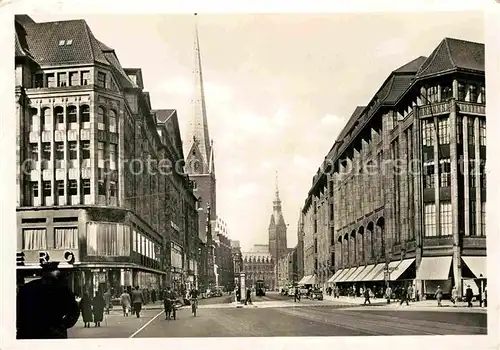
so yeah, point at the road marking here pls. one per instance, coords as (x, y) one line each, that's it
(147, 324)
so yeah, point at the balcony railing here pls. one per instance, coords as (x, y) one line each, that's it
(433, 109)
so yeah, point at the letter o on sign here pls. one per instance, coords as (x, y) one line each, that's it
(69, 257)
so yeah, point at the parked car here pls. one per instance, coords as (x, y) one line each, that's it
(316, 294)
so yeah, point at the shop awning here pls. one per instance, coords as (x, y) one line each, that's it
(305, 278)
(393, 266)
(336, 275)
(401, 268)
(343, 274)
(434, 268)
(374, 272)
(365, 272)
(477, 264)
(346, 275)
(352, 277)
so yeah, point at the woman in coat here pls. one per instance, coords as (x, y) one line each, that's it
(86, 308)
(98, 309)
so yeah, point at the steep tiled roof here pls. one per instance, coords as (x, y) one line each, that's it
(395, 88)
(43, 40)
(412, 66)
(352, 120)
(454, 54)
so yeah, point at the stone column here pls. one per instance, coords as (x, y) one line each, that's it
(417, 195)
(465, 162)
(477, 175)
(436, 175)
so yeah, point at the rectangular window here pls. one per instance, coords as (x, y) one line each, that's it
(60, 188)
(46, 151)
(51, 80)
(429, 174)
(430, 220)
(446, 93)
(86, 78)
(472, 218)
(461, 92)
(108, 239)
(112, 188)
(483, 218)
(100, 154)
(445, 219)
(73, 187)
(444, 131)
(65, 237)
(74, 78)
(112, 156)
(445, 172)
(112, 121)
(86, 186)
(72, 150)
(34, 239)
(472, 173)
(59, 154)
(34, 189)
(47, 189)
(100, 119)
(482, 173)
(34, 152)
(39, 80)
(102, 188)
(482, 95)
(62, 79)
(482, 132)
(72, 117)
(459, 129)
(470, 130)
(59, 111)
(432, 94)
(473, 93)
(134, 242)
(85, 149)
(428, 132)
(101, 79)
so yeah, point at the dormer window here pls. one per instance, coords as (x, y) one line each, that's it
(62, 42)
(69, 42)
(101, 79)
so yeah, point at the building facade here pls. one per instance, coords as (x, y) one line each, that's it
(405, 181)
(223, 256)
(277, 229)
(287, 268)
(299, 248)
(84, 127)
(200, 166)
(258, 264)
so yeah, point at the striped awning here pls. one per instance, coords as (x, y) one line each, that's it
(401, 268)
(393, 266)
(344, 277)
(434, 268)
(353, 276)
(374, 272)
(309, 279)
(365, 272)
(337, 274)
(305, 278)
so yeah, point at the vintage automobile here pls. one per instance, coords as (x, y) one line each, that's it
(316, 294)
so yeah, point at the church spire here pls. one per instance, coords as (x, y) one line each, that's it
(197, 137)
(277, 190)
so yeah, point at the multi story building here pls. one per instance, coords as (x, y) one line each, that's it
(86, 196)
(299, 248)
(405, 179)
(200, 166)
(258, 264)
(287, 268)
(237, 261)
(223, 256)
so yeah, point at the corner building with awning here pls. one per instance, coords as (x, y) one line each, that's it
(400, 198)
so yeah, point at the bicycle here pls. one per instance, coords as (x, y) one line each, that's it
(194, 306)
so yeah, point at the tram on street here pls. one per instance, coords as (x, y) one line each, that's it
(260, 289)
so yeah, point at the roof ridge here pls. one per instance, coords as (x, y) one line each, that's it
(433, 57)
(87, 29)
(446, 40)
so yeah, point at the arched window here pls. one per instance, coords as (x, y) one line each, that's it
(71, 114)
(100, 118)
(46, 118)
(85, 115)
(112, 121)
(59, 116)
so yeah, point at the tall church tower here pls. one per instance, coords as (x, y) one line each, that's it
(200, 167)
(277, 229)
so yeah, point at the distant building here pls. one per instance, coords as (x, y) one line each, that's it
(258, 264)
(223, 255)
(287, 268)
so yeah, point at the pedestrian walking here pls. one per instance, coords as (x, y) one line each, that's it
(296, 295)
(107, 300)
(469, 295)
(169, 303)
(98, 305)
(409, 292)
(249, 297)
(388, 294)
(125, 302)
(153, 296)
(86, 310)
(439, 295)
(46, 308)
(137, 301)
(454, 295)
(404, 296)
(367, 292)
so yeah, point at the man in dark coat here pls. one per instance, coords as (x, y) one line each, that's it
(137, 301)
(468, 296)
(46, 308)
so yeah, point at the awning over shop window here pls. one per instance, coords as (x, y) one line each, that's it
(365, 272)
(477, 264)
(434, 268)
(401, 268)
(374, 272)
(393, 266)
(337, 274)
(347, 274)
(305, 278)
(352, 277)
(341, 275)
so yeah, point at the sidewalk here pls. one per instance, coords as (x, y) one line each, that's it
(430, 305)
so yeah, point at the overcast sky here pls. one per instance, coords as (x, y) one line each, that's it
(279, 88)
